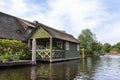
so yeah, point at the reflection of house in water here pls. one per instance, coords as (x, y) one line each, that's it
(52, 45)
(56, 71)
(43, 71)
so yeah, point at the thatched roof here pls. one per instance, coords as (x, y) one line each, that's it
(59, 34)
(12, 27)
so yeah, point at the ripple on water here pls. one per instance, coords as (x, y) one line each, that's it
(109, 69)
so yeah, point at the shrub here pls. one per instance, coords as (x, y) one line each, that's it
(13, 47)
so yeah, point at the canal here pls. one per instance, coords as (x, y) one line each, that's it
(92, 68)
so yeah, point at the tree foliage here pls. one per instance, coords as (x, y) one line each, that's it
(110, 48)
(106, 48)
(116, 47)
(89, 42)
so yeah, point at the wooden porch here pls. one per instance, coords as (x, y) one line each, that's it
(52, 45)
(49, 49)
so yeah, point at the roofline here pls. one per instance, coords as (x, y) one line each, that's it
(53, 29)
(58, 31)
(40, 25)
(17, 17)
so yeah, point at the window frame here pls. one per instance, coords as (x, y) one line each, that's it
(67, 46)
(60, 44)
(78, 47)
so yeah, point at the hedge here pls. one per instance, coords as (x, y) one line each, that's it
(12, 48)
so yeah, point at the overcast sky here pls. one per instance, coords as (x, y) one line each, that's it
(102, 17)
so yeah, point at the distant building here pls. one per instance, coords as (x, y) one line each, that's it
(52, 45)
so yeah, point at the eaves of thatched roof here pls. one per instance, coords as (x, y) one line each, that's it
(59, 34)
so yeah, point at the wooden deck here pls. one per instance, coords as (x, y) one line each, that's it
(13, 63)
(58, 60)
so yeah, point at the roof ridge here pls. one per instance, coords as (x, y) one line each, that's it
(15, 17)
(9, 15)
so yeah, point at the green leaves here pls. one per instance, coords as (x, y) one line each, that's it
(106, 48)
(12, 47)
(89, 42)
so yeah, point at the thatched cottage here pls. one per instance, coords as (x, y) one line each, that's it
(51, 44)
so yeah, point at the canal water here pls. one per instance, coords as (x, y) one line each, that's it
(92, 68)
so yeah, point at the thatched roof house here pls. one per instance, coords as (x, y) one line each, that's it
(51, 43)
(15, 28)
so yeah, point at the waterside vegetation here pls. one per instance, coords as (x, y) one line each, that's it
(92, 46)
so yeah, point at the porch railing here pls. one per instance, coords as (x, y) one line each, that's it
(55, 54)
(44, 53)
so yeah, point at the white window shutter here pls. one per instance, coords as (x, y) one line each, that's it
(67, 46)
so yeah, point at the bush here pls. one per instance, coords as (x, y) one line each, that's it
(12, 47)
(115, 49)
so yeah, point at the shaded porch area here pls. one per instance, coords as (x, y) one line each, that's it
(49, 49)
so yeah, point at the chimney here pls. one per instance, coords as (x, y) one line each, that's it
(36, 23)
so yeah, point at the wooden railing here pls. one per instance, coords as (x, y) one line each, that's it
(43, 53)
(55, 54)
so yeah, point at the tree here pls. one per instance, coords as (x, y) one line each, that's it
(116, 47)
(88, 41)
(97, 46)
(106, 48)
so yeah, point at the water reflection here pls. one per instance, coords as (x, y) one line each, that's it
(15, 74)
(95, 68)
(86, 69)
(57, 71)
(33, 73)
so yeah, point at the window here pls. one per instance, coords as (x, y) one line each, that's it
(67, 45)
(28, 31)
(59, 44)
(78, 47)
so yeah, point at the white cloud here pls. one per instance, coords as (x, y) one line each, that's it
(110, 33)
(2, 2)
(77, 14)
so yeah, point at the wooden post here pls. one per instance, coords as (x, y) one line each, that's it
(33, 51)
(83, 53)
(50, 49)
